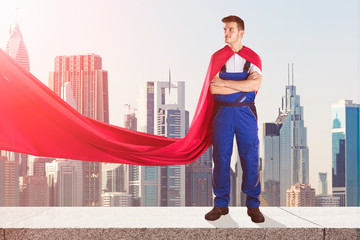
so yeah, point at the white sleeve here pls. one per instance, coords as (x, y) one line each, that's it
(254, 68)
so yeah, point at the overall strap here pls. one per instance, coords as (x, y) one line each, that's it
(246, 69)
(246, 66)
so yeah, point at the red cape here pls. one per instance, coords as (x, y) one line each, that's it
(34, 120)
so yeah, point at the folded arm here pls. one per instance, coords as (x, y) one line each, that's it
(251, 84)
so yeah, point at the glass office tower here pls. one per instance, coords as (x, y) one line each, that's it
(345, 152)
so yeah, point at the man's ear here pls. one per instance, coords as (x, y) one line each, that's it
(241, 32)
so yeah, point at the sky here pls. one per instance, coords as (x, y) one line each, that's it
(141, 40)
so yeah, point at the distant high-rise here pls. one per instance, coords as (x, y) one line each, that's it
(271, 180)
(300, 195)
(322, 183)
(39, 164)
(16, 47)
(115, 177)
(198, 181)
(89, 84)
(162, 112)
(65, 183)
(9, 182)
(130, 122)
(286, 154)
(33, 191)
(21, 158)
(345, 152)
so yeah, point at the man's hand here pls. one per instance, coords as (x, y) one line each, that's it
(215, 89)
(218, 81)
(253, 75)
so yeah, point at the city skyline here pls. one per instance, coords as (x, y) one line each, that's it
(134, 35)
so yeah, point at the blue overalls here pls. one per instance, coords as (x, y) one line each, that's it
(235, 114)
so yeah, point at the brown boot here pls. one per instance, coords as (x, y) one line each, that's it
(216, 213)
(256, 215)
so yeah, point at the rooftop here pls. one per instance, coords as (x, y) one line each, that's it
(177, 223)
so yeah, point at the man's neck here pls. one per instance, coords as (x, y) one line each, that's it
(236, 47)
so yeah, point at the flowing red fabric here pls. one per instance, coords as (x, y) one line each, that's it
(34, 120)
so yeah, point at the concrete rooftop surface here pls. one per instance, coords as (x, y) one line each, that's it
(177, 223)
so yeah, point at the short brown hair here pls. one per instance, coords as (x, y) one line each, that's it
(233, 18)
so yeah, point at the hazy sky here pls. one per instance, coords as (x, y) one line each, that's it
(140, 40)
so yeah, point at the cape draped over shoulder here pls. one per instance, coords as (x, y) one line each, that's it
(34, 120)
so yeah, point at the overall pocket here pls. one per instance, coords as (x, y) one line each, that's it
(252, 109)
(216, 111)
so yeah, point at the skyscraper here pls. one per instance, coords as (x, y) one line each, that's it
(89, 84)
(65, 181)
(345, 152)
(115, 177)
(39, 164)
(162, 112)
(286, 154)
(271, 180)
(33, 191)
(16, 49)
(198, 181)
(322, 183)
(9, 182)
(130, 122)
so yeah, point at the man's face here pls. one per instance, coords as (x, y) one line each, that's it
(231, 33)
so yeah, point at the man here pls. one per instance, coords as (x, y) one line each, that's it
(234, 90)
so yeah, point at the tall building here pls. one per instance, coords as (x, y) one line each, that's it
(65, 181)
(39, 166)
(345, 152)
(162, 112)
(286, 154)
(21, 158)
(322, 183)
(9, 182)
(198, 181)
(89, 84)
(115, 177)
(33, 191)
(271, 179)
(300, 195)
(16, 49)
(130, 122)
